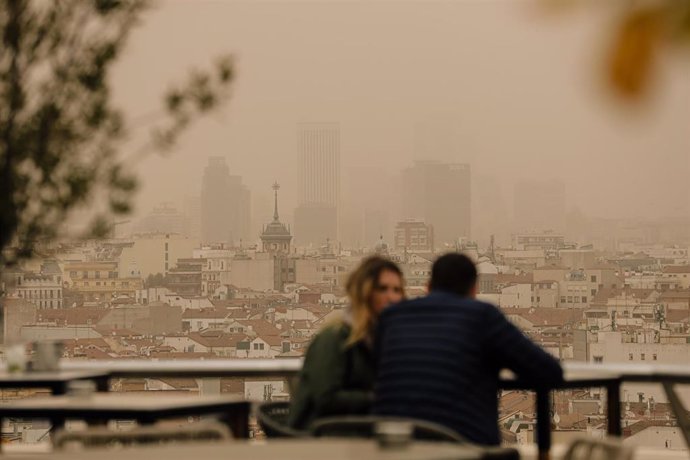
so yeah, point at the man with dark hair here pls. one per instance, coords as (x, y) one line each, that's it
(439, 356)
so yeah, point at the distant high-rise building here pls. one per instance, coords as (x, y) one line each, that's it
(414, 236)
(193, 212)
(164, 218)
(225, 204)
(539, 206)
(316, 217)
(440, 195)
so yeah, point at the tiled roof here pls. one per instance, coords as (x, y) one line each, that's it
(205, 313)
(547, 316)
(260, 327)
(676, 269)
(271, 340)
(217, 339)
(71, 316)
(677, 316)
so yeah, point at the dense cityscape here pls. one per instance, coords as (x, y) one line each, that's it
(345, 229)
(199, 285)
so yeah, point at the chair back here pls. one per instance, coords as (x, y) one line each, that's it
(104, 437)
(273, 419)
(365, 427)
(598, 449)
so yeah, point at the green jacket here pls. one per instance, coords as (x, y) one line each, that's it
(336, 379)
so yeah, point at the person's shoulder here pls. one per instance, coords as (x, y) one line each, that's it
(401, 307)
(334, 331)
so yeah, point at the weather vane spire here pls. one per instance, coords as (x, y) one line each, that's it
(276, 187)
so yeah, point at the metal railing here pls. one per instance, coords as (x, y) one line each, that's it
(576, 375)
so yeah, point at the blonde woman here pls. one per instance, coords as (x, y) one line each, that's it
(338, 373)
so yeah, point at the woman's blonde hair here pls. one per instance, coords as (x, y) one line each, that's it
(360, 287)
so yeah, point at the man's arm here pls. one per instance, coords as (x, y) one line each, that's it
(511, 349)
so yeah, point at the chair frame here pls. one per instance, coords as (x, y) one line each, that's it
(103, 436)
(275, 428)
(422, 429)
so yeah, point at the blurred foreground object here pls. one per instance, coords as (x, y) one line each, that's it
(642, 29)
(632, 55)
(60, 136)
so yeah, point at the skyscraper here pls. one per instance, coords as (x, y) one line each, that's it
(439, 194)
(316, 217)
(539, 206)
(225, 204)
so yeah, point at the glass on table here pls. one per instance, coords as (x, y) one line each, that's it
(15, 358)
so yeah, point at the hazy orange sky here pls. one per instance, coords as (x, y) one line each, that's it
(498, 84)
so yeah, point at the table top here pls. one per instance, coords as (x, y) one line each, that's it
(315, 449)
(576, 373)
(629, 372)
(121, 405)
(191, 368)
(572, 378)
(24, 379)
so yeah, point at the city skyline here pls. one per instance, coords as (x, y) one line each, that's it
(455, 188)
(432, 98)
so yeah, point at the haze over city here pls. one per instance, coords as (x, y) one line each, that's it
(314, 210)
(405, 82)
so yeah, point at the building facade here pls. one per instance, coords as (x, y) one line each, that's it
(414, 236)
(440, 195)
(225, 204)
(317, 215)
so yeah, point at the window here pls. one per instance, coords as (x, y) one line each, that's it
(654, 357)
(563, 299)
(97, 274)
(570, 299)
(642, 356)
(593, 278)
(73, 274)
(630, 357)
(584, 300)
(598, 359)
(85, 274)
(593, 292)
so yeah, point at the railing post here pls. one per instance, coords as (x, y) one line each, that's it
(543, 422)
(613, 403)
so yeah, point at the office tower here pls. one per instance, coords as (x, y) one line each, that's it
(539, 206)
(316, 217)
(164, 218)
(225, 204)
(439, 195)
